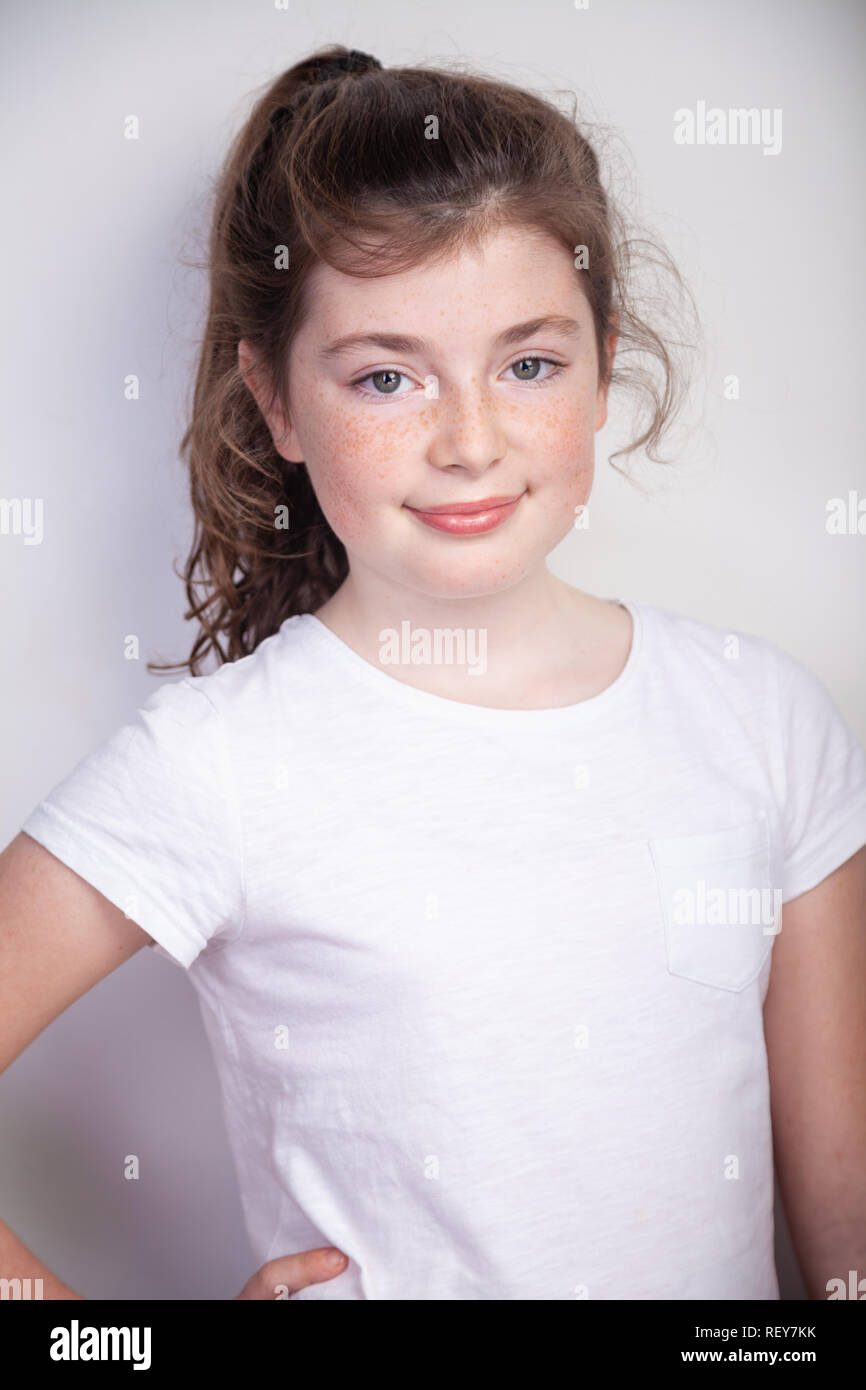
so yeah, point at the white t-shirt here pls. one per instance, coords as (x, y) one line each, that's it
(484, 987)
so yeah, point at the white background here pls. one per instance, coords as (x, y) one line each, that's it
(95, 232)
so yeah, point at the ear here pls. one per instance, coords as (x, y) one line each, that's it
(285, 439)
(604, 387)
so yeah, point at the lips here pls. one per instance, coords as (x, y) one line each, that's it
(466, 508)
(468, 518)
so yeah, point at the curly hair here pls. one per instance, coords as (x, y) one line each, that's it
(332, 165)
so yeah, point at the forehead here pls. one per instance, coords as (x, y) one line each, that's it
(514, 273)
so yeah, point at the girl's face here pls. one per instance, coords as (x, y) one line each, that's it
(472, 379)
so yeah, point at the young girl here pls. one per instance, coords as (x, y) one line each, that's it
(479, 878)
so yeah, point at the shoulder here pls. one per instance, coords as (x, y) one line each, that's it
(236, 688)
(776, 695)
(733, 657)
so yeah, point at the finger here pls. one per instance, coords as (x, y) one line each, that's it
(289, 1273)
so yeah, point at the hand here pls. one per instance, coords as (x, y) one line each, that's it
(293, 1272)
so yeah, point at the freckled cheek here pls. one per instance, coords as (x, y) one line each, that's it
(352, 466)
(563, 444)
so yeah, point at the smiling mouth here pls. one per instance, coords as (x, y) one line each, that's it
(468, 518)
(486, 504)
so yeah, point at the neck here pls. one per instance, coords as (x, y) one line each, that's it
(535, 644)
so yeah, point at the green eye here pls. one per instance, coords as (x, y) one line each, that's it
(534, 360)
(390, 386)
(389, 377)
(531, 377)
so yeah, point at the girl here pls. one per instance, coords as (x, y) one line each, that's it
(479, 878)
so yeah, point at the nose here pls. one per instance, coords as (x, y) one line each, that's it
(468, 432)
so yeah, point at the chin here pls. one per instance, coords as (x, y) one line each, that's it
(463, 583)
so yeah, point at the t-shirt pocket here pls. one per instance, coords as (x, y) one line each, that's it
(719, 906)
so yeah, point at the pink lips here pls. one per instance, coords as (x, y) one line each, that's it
(468, 518)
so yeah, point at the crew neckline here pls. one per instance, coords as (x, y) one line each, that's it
(425, 702)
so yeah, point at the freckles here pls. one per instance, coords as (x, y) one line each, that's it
(362, 460)
(565, 419)
(350, 466)
(368, 439)
(347, 435)
(562, 439)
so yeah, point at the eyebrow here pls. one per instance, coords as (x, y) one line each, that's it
(399, 342)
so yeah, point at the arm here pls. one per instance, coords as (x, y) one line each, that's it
(815, 1031)
(58, 937)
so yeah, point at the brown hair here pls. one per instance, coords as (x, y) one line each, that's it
(335, 164)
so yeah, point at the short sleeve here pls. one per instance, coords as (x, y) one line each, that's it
(149, 818)
(824, 814)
